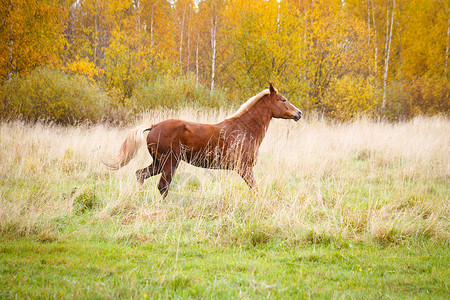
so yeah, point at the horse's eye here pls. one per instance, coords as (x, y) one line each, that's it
(284, 100)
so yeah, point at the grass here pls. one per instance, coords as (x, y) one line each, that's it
(343, 210)
(109, 270)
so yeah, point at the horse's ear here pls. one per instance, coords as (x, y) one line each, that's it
(273, 90)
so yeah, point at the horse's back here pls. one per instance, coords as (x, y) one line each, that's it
(174, 132)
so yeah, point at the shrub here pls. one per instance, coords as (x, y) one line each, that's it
(52, 95)
(350, 97)
(174, 93)
(429, 95)
(398, 103)
(417, 96)
(86, 201)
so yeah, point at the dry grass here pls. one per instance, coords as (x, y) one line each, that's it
(318, 182)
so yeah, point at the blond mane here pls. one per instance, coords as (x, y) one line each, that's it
(249, 104)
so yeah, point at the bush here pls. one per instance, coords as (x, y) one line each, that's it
(417, 96)
(174, 93)
(350, 97)
(429, 96)
(52, 95)
(86, 201)
(398, 103)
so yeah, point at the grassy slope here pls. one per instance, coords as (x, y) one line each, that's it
(342, 210)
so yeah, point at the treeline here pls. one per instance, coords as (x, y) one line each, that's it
(68, 60)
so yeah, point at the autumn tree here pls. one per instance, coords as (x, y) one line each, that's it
(409, 49)
(30, 35)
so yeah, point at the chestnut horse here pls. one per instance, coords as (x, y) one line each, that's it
(231, 144)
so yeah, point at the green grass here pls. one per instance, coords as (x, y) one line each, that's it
(357, 210)
(75, 269)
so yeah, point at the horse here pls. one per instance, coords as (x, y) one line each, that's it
(232, 144)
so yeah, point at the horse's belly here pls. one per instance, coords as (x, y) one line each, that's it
(204, 157)
(209, 164)
(215, 158)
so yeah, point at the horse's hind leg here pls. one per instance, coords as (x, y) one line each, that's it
(168, 170)
(247, 175)
(153, 169)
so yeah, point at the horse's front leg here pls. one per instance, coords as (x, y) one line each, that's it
(247, 175)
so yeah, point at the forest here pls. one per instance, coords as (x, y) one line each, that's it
(73, 60)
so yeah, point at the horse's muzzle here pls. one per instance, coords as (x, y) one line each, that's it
(297, 116)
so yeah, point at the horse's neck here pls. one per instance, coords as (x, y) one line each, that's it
(254, 122)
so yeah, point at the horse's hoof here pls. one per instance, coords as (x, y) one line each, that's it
(139, 178)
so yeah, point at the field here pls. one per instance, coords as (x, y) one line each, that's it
(347, 210)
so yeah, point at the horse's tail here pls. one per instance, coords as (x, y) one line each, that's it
(129, 147)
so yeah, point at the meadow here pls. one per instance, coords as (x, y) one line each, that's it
(342, 210)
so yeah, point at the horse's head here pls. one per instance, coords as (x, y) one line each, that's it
(281, 108)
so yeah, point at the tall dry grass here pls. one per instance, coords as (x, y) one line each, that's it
(318, 182)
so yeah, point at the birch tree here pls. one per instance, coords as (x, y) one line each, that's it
(375, 36)
(9, 62)
(446, 49)
(181, 38)
(389, 29)
(189, 40)
(214, 21)
(196, 61)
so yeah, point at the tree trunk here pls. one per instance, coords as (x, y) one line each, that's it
(95, 33)
(213, 46)
(181, 40)
(9, 62)
(446, 49)
(376, 43)
(137, 7)
(151, 27)
(189, 40)
(368, 24)
(196, 60)
(301, 39)
(388, 50)
(305, 43)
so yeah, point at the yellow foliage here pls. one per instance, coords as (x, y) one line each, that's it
(83, 66)
(428, 96)
(327, 55)
(31, 34)
(350, 97)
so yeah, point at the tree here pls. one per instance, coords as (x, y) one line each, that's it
(209, 30)
(387, 49)
(30, 35)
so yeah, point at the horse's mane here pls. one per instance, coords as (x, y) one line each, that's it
(249, 104)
